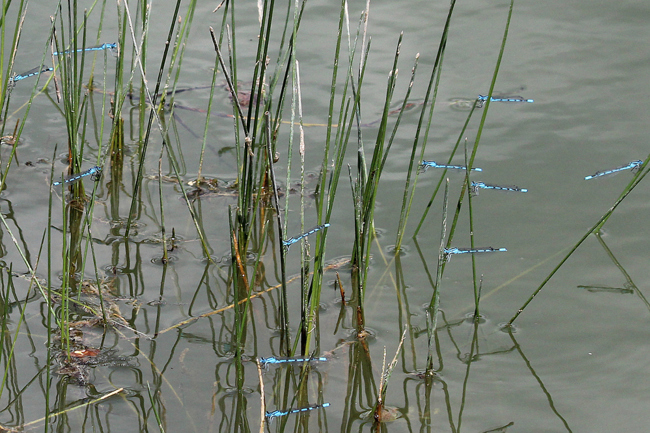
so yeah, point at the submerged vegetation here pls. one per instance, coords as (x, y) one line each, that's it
(93, 310)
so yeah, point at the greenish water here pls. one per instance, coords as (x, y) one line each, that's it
(577, 355)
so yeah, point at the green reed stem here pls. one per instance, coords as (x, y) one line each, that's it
(409, 191)
(178, 54)
(593, 229)
(6, 83)
(208, 115)
(286, 58)
(325, 203)
(444, 171)
(29, 104)
(471, 232)
(492, 84)
(356, 92)
(48, 296)
(404, 211)
(259, 72)
(8, 353)
(434, 304)
(284, 309)
(470, 162)
(296, 105)
(165, 257)
(472, 352)
(152, 401)
(330, 111)
(370, 190)
(242, 158)
(251, 168)
(152, 99)
(64, 311)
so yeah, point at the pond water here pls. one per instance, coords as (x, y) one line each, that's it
(576, 353)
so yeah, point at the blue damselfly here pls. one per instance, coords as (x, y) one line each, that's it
(287, 243)
(634, 165)
(94, 172)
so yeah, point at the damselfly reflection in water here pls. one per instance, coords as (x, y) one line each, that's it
(482, 99)
(619, 290)
(475, 186)
(273, 360)
(505, 99)
(95, 174)
(634, 165)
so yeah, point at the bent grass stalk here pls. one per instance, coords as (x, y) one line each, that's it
(597, 226)
(629, 283)
(71, 409)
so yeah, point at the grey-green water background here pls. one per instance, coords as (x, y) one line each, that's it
(581, 363)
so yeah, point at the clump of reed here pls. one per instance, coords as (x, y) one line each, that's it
(259, 221)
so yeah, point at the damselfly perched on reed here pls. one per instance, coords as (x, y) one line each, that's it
(95, 174)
